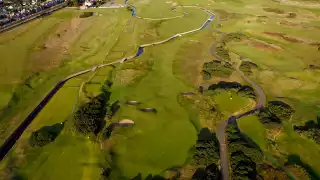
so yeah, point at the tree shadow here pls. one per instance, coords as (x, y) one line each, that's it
(211, 172)
(199, 174)
(311, 124)
(240, 146)
(225, 85)
(205, 134)
(295, 159)
(114, 107)
(108, 131)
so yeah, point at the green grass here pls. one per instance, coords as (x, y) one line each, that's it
(306, 149)
(157, 141)
(69, 156)
(17, 67)
(230, 102)
(252, 127)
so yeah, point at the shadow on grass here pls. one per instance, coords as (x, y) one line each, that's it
(205, 134)
(46, 134)
(295, 159)
(149, 177)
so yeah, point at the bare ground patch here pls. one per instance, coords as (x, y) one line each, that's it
(127, 76)
(264, 46)
(55, 48)
(291, 39)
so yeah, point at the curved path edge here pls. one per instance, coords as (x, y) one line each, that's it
(261, 101)
(11, 140)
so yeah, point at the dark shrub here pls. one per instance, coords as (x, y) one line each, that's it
(280, 109)
(292, 15)
(90, 117)
(41, 138)
(86, 14)
(45, 135)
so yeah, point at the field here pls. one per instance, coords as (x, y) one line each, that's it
(281, 39)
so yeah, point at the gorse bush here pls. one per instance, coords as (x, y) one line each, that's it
(89, 117)
(86, 14)
(245, 158)
(216, 68)
(41, 138)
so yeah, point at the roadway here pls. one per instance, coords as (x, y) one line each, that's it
(261, 100)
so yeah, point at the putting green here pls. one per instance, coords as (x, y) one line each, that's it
(159, 140)
(230, 102)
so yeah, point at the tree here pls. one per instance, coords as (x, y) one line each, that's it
(89, 117)
(247, 91)
(268, 119)
(212, 172)
(244, 156)
(41, 138)
(207, 152)
(280, 109)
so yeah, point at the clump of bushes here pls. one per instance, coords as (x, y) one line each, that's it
(86, 14)
(247, 66)
(275, 10)
(291, 15)
(206, 156)
(222, 51)
(237, 36)
(241, 90)
(211, 172)
(310, 130)
(206, 152)
(41, 138)
(274, 113)
(89, 118)
(245, 158)
(280, 109)
(45, 135)
(246, 91)
(216, 68)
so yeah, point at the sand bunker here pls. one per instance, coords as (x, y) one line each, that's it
(126, 122)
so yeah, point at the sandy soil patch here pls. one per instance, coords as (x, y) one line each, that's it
(127, 76)
(304, 4)
(55, 48)
(126, 122)
(286, 37)
(264, 46)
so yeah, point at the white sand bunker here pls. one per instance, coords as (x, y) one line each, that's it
(126, 122)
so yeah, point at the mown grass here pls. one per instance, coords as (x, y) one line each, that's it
(252, 127)
(230, 102)
(69, 156)
(158, 140)
(17, 68)
(283, 74)
(306, 149)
